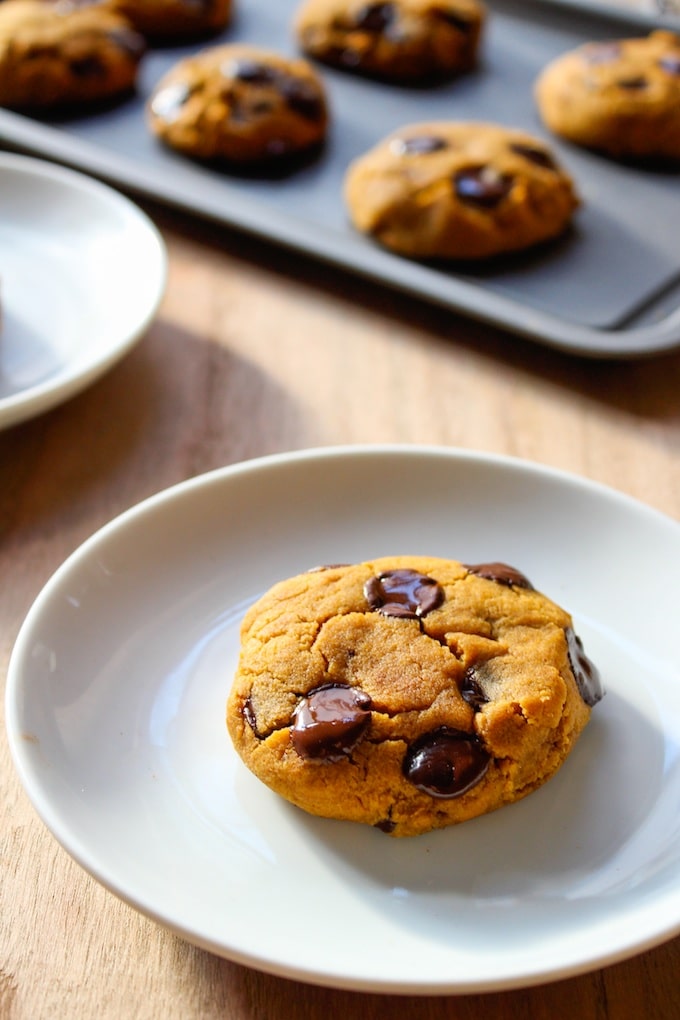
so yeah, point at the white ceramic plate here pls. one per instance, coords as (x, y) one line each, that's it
(115, 708)
(82, 271)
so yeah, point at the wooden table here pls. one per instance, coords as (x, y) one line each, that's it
(256, 351)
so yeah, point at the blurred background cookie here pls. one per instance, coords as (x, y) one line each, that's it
(402, 40)
(169, 20)
(54, 57)
(240, 104)
(620, 97)
(459, 191)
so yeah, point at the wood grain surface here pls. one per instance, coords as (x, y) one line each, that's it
(257, 350)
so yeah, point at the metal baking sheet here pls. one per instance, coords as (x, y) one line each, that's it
(610, 288)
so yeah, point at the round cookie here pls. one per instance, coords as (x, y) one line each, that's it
(54, 57)
(620, 97)
(166, 20)
(239, 104)
(404, 40)
(459, 191)
(408, 693)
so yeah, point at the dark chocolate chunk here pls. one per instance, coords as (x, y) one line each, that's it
(250, 717)
(471, 690)
(502, 573)
(301, 97)
(387, 825)
(375, 17)
(417, 145)
(482, 185)
(585, 672)
(329, 721)
(446, 763)
(90, 66)
(251, 71)
(636, 84)
(403, 593)
(538, 156)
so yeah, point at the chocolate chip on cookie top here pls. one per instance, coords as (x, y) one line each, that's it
(585, 671)
(403, 593)
(446, 763)
(329, 721)
(500, 572)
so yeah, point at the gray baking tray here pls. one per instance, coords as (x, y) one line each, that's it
(610, 288)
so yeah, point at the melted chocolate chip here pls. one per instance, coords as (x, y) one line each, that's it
(633, 84)
(585, 672)
(471, 690)
(168, 102)
(250, 717)
(87, 67)
(538, 156)
(301, 97)
(329, 722)
(403, 593)
(375, 17)
(251, 71)
(482, 185)
(601, 53)
(446, 763)
(670, 63)
(387, 825)
(501, 573)
(418, 145)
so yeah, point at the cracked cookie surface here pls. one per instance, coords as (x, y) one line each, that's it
(54, 57)
(239, 104)
(408, 693)
(459, 190)
(405, 40)
(621, 97)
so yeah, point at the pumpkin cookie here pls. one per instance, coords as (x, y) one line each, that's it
(459, 191)
(620, 97)
(404, 40)
(239, 104)
(54, 57)
(408, 693)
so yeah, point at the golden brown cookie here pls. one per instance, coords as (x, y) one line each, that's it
(409, 693)
(53, 57)
(404, 40)
(183, 20)
(240, 104)
(620, 97)
(459, 191)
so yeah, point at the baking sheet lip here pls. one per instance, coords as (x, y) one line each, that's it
(615, 13)
(349, 253)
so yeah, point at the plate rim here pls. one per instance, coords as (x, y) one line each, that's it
(67, 381)
(73, 843)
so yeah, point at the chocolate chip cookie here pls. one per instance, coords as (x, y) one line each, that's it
(408, 693)
(404, 40)
(166, 20)
(54, 57)
(620, 97)
(459, 191)
(240, 104)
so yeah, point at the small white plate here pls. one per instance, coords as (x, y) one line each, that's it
(115, 709)
(82, 272)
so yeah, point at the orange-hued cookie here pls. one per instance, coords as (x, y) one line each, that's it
(459, 190)
(54, 56)
(620, 97)
(408, 693)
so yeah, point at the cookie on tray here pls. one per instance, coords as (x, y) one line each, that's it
(240, 104)
(620, 97)
(408, 693)
(169, 20)
(404, 40)
(463, 190)
(54, 57)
